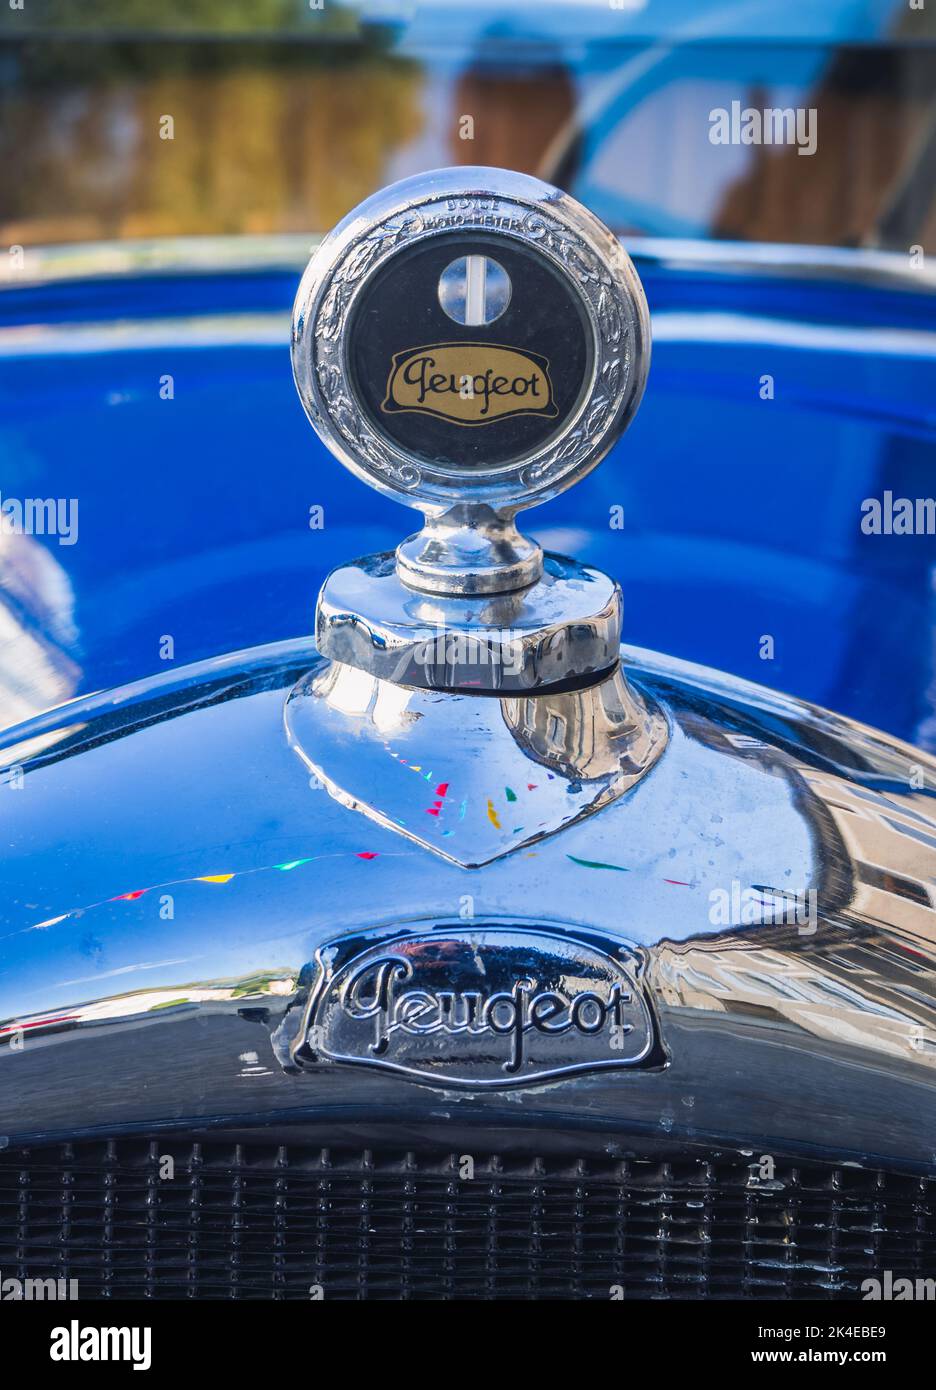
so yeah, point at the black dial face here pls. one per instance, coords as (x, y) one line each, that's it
(469, 351)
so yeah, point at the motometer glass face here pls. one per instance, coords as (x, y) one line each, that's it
(469, 350)
(470, 338)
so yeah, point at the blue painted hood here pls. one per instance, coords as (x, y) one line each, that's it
(731, 511)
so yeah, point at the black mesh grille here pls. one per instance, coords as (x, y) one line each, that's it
(266, 1221)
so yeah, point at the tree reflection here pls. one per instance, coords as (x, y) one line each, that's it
(263, 140)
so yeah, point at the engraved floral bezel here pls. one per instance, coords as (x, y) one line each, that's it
(467, 200)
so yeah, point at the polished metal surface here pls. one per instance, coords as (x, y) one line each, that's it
(469, 603)
(171, 871)
(517, 208)
(471, 544)
(559, 757)
(469, 549)
(565, 628)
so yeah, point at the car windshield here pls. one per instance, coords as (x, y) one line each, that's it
(749, 120)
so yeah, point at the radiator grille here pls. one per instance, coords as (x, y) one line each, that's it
(266, 1221)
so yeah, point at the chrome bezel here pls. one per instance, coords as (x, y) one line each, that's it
(472, 199)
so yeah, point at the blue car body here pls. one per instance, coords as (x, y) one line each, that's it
(781, 399)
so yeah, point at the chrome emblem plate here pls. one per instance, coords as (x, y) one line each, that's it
(484, 1007)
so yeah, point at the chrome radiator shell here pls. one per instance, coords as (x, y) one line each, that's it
(169, 872)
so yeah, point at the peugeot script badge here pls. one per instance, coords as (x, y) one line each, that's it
(477, 1006)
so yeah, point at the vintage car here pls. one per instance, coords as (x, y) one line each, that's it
(426, 942)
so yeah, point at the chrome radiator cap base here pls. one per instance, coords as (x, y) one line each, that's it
(563, 630)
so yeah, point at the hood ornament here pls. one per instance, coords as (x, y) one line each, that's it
(471, 342)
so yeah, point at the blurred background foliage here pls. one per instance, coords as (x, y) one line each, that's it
(173, 17)
(285, 116)
(263, 140)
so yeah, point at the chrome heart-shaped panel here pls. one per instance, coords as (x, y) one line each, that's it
(471, 777)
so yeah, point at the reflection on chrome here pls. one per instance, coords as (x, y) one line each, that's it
(818, 1044)
(561, 756)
